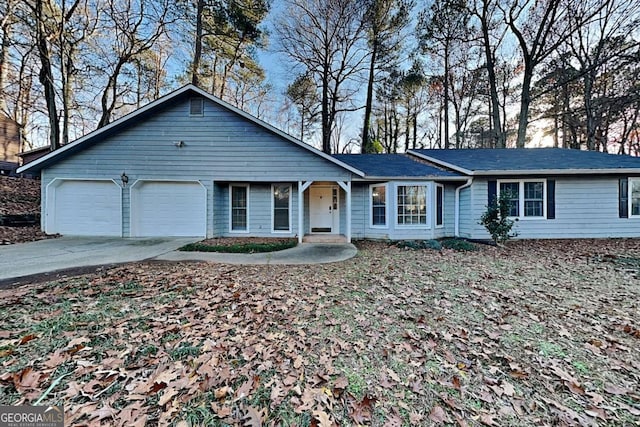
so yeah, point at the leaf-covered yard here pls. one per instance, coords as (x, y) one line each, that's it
(544, 333)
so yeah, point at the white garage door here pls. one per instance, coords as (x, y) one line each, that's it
(168, 209)
(84, 208)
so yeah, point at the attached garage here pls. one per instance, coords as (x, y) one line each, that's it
(84, 208)
(168, 208)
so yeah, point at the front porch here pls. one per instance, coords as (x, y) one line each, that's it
(325, 238)
(324, 211)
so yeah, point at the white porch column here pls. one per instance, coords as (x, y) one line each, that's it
(302, 186)
(346, 186)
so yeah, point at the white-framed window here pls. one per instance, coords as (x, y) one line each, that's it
(527, 198)
(439, 205)
(196, 107)
(281, 203)
(412, 205)
(378, 193)
(239, 208)
(634, 197)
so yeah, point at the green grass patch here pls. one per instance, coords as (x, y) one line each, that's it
(240, 248)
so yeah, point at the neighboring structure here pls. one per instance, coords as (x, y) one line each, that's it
(9, 145)
(34, 154)
(189, 164)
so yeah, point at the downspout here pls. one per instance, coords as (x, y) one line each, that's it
(467, 184)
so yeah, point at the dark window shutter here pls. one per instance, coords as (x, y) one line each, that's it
(551, 199)
(623, 198)
(492, 189)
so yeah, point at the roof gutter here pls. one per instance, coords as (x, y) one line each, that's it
(456, 231)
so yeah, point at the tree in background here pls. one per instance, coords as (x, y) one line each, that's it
(227, 35)
(136, 28)
(385, 21)
(304, 95)
(325, 39)
(443, 31)
(598, 40)
(491, 36)
(568, 67)
(41, 19)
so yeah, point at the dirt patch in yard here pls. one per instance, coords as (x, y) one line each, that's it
(543, 333)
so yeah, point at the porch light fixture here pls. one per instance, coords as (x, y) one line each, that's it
(179, 144)
(124, 178)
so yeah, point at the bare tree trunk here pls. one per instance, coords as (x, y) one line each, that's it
(588, 111)
(446, 97)
(366, 146)
(499, 138)
(108, 99)
(46, 77)
(197, 54)
(4, 55)
(326, 122)
(525, 103)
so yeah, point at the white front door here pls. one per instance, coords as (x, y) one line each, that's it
(323, 209)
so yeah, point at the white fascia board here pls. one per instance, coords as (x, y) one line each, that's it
(441, 163)
(369, 178)
(511, 172)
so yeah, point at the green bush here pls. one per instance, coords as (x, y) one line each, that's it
(459, 245)
(420, 244)
(496, 219)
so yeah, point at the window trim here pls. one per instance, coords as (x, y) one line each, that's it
(521, 183)
(435, 206)
(427, 190)
(273, 207)
(231, 230)
(631, 180)
(386, 206)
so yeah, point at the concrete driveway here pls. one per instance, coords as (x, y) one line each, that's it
(56, 255)
(46, 256)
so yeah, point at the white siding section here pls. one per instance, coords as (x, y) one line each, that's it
(586, 207)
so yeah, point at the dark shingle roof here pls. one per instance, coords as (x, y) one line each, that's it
(393, 166)
(532, 160)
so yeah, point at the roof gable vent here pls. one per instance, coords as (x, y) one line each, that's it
(196, 107)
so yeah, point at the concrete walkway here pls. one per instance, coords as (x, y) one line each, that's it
(304, 253)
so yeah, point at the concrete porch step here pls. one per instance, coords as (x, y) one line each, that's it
(324, 238)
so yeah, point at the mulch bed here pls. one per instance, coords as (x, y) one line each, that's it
(232, 241)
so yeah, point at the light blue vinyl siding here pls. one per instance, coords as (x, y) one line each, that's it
(585, 208)
(466, 214)
(219, 147)
(361, 214)
(448, 228)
